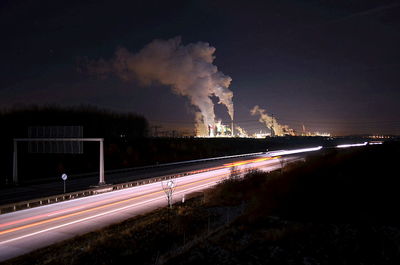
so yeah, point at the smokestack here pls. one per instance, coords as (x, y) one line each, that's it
(232, 132)
(241, 132)
(272, 131)
(272, 126)
(187, 69)
(270, 122)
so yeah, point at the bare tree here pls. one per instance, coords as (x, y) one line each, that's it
(169, 188)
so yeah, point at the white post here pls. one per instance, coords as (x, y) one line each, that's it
(101, 181)
(15, 164)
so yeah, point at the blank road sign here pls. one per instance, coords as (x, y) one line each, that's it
(59, 147)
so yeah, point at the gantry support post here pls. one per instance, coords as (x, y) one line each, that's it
(101, 173)
(15, 164)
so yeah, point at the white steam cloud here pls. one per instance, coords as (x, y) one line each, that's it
(271, 122)
(241, 132)
(187, 69)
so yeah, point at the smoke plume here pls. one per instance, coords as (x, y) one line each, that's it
(271, 122)
(241, 132)
(187, 69)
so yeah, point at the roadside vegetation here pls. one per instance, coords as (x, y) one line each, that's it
(127, 143)
(340, 207)
(114, 127)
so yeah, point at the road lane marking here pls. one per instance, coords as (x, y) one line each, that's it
(107, 205)
(113, 199)
(87, 205)
(100, 214)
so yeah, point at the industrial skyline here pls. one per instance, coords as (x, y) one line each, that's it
(327, 67)
(199, 131)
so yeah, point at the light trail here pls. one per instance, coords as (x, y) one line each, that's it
(351, 145)
(244, 162)
(77, 221)
(295, 151)
(53, 213)
(375, 142)
(87, 205)
(110, 204)
(101, 214)
(23, 231)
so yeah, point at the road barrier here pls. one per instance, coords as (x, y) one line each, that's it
(106, 188)
(12, 207)
(122, 170)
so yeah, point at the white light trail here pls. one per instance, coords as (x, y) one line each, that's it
(351, 145)
(295, 151)
(374, 143)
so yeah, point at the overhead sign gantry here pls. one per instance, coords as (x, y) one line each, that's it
(57, 139)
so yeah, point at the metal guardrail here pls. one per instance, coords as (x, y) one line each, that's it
(121, 170)
(106, 188)
(182, 162)
(12, 207)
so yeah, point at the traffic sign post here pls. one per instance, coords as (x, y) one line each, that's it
(64, 177)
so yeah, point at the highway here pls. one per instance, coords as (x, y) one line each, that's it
(77, 183)
(24, 231)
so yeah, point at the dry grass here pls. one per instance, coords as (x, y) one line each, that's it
(320, 208)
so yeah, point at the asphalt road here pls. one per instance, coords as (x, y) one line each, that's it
(24, 231)
(77, 183)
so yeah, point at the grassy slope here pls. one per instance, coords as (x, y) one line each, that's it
(340, 208)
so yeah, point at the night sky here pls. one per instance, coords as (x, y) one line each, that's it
(330, 65)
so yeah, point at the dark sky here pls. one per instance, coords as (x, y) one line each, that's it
(330, 65)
